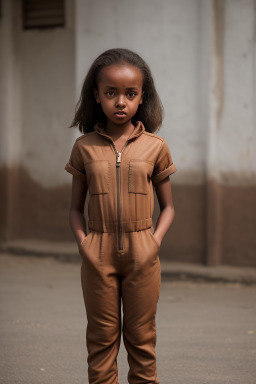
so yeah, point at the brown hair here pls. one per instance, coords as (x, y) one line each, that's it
(89, 112)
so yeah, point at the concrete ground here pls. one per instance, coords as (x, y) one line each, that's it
(206, 328)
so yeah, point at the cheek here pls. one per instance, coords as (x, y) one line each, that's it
(106, 105)
(137, 104)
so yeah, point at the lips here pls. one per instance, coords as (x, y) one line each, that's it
(120, 113)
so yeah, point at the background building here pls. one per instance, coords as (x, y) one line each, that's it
(202, 54)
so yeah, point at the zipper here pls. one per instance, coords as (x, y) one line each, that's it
(118, 185)
(119, 200)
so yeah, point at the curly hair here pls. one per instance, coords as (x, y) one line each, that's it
(88, 112)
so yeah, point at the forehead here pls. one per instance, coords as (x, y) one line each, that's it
(120, 75)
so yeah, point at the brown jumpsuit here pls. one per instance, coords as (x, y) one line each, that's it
(120, 254)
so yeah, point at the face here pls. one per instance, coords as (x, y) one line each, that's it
(119, 92)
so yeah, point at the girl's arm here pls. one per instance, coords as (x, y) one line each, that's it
(167, 212)
(76, 213)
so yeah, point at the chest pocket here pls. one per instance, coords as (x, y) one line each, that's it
(140, 172)
(98, 173)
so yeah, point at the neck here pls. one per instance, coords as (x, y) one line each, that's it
(119, 130)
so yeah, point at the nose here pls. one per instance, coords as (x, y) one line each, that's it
(120, 101)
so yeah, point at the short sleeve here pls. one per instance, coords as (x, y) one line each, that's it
(75, 166)
(164, 165)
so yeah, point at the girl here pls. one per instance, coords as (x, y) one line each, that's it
(119, 159)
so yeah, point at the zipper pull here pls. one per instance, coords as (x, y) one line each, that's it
(118, 160)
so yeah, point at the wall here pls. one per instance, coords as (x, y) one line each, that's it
(233, 119)
(37, 73)
(203, 58)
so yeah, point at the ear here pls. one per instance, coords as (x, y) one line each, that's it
(141, 99)
(96, 95)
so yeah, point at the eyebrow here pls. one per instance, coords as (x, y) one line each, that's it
(129, 88)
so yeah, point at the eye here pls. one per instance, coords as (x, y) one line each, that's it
(110, 93)
(132, 94)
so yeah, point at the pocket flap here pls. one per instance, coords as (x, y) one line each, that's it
(140, 172)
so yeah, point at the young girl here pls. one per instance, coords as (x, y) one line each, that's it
(119, 159)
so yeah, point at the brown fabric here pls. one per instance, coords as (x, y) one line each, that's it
(107, 276)
(120, 253)
(146, 160)
(75, 166)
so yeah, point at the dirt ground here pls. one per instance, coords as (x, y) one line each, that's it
(206, 332)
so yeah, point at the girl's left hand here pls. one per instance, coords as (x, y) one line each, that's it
(157, 240)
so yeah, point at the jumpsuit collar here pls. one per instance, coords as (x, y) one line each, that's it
(138, 130)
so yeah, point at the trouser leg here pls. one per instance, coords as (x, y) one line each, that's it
(140, 293)
(101, 292)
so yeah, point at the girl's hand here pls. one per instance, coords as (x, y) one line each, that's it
(158, 239)
(81, 239)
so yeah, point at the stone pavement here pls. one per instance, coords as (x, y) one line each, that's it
(67, 251)
(206, 331)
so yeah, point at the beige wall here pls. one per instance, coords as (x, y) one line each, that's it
(36, 103)
(203, 57)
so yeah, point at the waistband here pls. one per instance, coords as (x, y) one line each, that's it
(127, 226)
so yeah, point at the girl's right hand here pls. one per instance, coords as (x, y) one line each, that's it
(81, 240)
